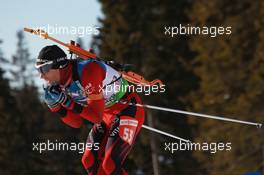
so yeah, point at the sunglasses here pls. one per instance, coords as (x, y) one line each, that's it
(45, 67)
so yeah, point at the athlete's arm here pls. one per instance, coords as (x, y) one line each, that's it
(92, 78)
(92, 81)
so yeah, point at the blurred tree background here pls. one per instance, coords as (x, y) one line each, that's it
(223, 75)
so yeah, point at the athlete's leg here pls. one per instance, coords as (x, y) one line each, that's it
(91, 157)
(122, 134)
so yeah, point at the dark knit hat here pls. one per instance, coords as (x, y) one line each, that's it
(52, 54)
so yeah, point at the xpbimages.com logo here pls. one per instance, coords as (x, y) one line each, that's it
(79, 31)
(212, 147)
(63, 146)
(212, 31)
(146, 89)
(119, 87)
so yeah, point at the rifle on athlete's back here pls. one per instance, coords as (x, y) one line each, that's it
(74, 48)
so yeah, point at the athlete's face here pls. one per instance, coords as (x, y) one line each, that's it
(52, 76)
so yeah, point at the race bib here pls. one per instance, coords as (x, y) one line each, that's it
(127, 129)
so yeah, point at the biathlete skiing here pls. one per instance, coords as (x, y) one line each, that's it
(88, 88)
(76, 90)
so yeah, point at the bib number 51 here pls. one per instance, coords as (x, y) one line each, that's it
(127, 129)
